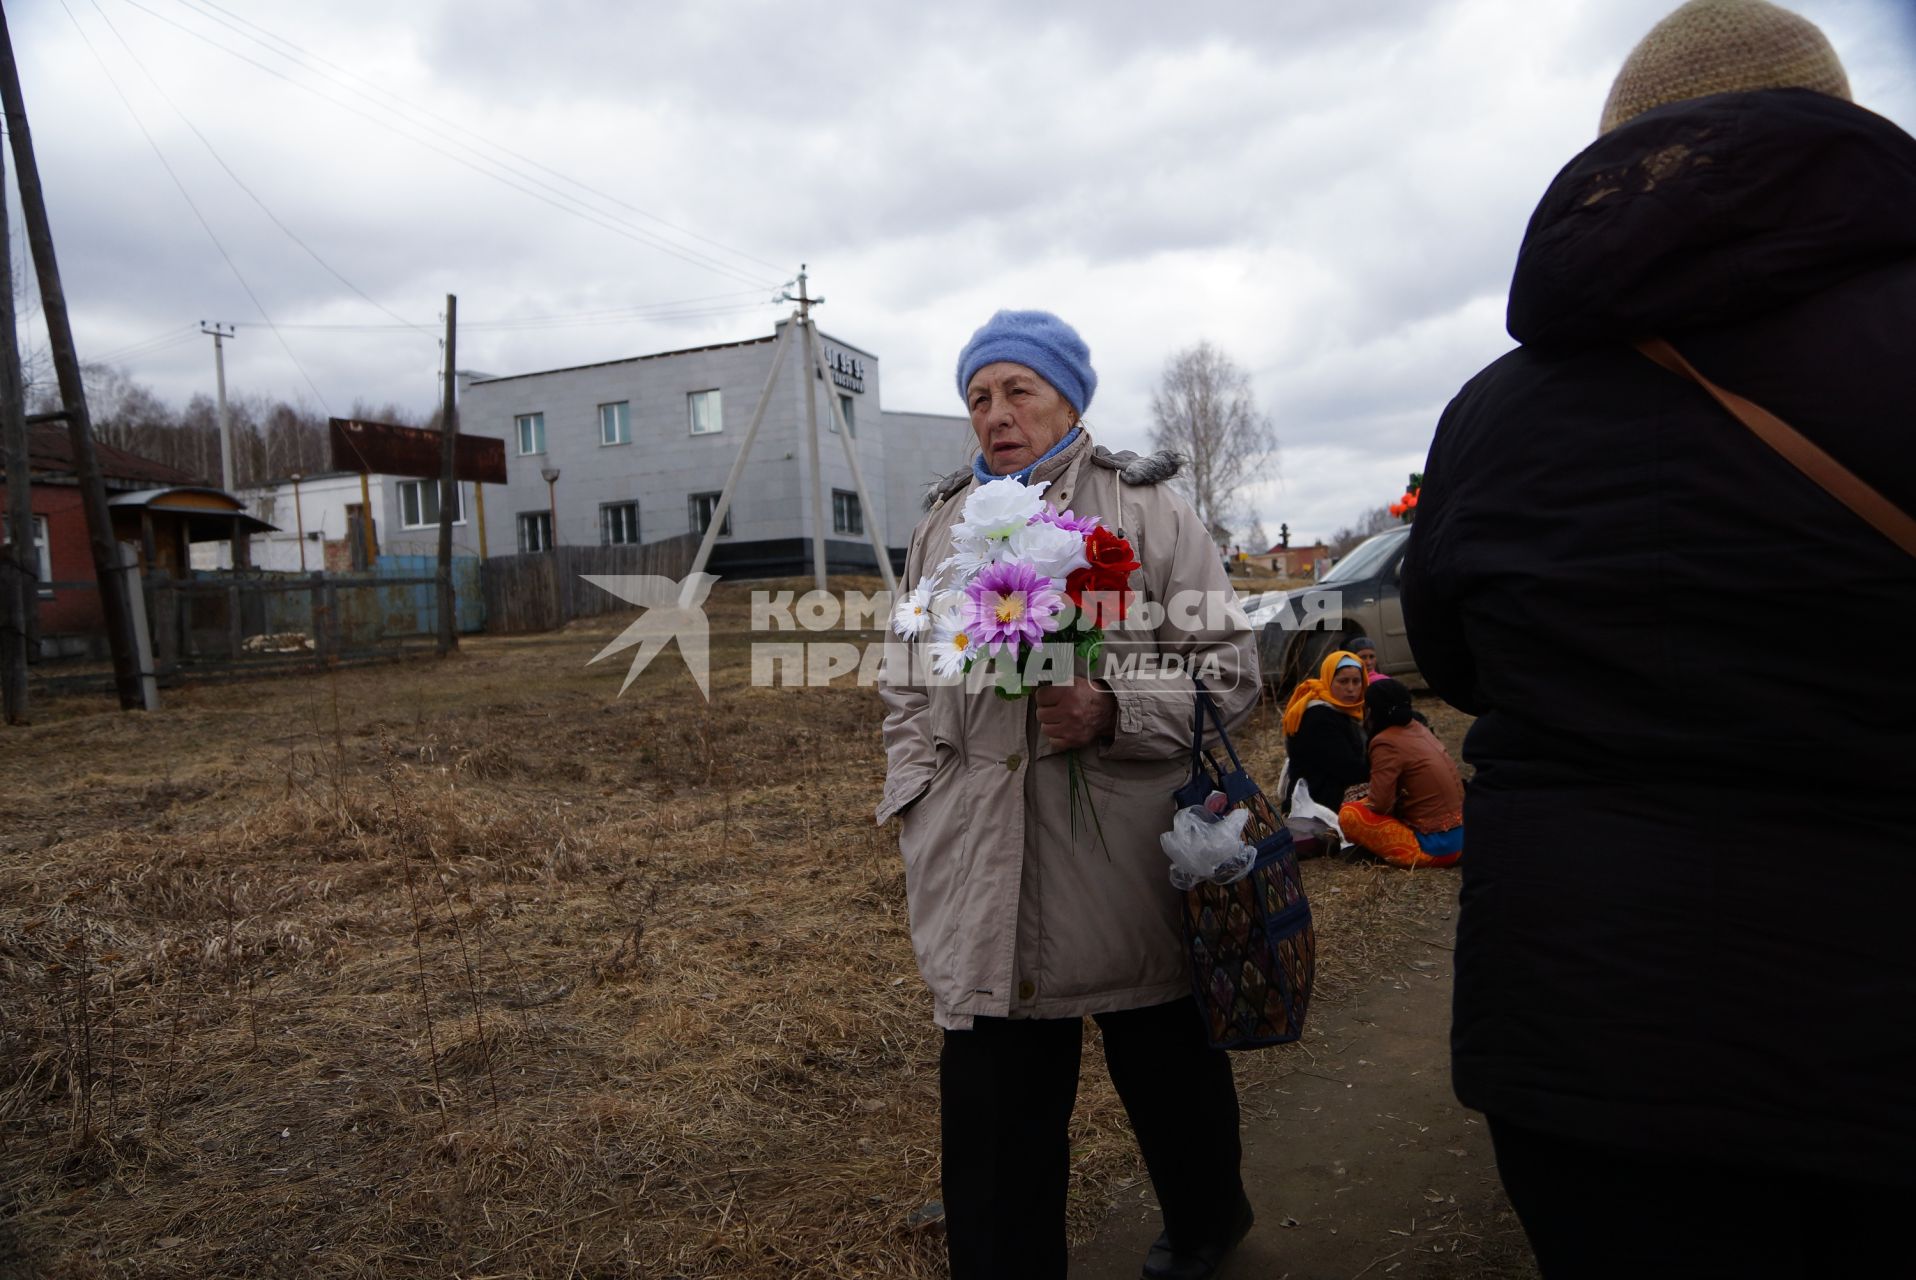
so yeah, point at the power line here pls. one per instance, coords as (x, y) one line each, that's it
(184, 195)
(575, 207)
(584, 319)
(219, 160)
(179, 335)
(498, 146)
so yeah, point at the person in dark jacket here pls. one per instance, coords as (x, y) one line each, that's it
(1324, 730)
(1683, 980)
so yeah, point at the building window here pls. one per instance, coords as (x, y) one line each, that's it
(619, 524)
(707, 415)
(845, 403)
(419, 504)
(42, 551)
(535, 531)
(615, 423)
(703, 505)
(532, 433)
(847, 515)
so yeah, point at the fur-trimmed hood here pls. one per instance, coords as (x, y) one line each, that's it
(1132, 468)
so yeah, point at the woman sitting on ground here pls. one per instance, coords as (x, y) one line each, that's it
(1414, 815)
(1324, 730)
(1367, 654)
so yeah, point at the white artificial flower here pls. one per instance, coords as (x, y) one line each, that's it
(996, 510)
(913, 611)
(1049, 550)
(951, 650)
(963, 564)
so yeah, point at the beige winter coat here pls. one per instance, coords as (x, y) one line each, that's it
(1012, 912)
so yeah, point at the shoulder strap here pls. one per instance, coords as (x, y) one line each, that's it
(1798, 450)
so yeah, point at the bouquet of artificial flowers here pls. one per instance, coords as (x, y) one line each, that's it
(1020, 577)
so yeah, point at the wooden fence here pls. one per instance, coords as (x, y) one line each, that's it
(545, 590)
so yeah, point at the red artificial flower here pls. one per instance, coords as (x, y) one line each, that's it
(1108, 575)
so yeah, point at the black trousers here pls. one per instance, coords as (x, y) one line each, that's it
(1006, 1090)
(1593, 1211)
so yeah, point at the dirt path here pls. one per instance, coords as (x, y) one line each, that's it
(1359, 1161)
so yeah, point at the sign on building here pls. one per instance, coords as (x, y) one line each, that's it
(847, 371)
(387, 449)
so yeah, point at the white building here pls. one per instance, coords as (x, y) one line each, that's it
(642, 446)
(326, 509)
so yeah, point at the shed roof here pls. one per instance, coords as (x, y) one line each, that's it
(210, 512)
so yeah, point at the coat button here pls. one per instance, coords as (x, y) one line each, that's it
(1027, 989)
(1012, 761)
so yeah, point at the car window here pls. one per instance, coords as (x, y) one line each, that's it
(1369, 557)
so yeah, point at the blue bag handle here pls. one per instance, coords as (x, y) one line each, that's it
(1206, 777)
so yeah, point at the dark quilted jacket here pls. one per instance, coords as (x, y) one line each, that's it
(1687, 904)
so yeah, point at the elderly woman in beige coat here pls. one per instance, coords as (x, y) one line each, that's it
(1025, 920)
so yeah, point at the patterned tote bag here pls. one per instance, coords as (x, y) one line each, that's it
(1253, 947)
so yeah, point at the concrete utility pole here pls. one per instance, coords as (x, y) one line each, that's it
(218, 334)
(19, 594)
(866, 511)
(805, 304)
(448, 485)
(107, 570)
(783, 341)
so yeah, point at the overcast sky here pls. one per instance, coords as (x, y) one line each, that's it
(1332, 191)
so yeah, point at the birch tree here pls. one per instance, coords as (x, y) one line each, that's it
(1204, 409)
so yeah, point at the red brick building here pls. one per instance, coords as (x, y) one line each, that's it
(69, 600)
(1295, 562)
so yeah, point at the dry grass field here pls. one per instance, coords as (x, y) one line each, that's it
(472, 968)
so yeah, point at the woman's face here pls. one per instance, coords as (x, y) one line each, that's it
(1369, 658)
(1347, 685)
(1017, 416)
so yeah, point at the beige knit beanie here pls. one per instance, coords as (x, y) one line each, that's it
(1723, 46)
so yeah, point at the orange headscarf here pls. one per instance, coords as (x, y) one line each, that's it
(1318, 689)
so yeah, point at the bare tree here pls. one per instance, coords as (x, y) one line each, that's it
(1203, 408)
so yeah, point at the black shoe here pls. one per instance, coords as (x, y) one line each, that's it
(1166, 1263)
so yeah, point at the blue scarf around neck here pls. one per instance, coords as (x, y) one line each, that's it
(984, 473)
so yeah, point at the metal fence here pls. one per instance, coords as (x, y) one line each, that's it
(224, 623)
(235, 621)
(544, 590)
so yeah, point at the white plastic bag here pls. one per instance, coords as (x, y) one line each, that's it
(1309, 819)
(1204, 846)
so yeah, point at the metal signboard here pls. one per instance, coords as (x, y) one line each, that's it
(387, 449)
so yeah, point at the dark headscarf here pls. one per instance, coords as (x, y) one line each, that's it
(1387, 704)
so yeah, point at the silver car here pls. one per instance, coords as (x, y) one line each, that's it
(1360, 596)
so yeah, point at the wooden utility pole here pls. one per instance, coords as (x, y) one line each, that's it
(107, 570)
(448, 486)
(19, 594)
(811, 440)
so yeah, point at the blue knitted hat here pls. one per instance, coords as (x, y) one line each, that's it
(1039, 341)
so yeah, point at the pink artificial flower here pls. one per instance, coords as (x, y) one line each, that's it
(1066, 520)
(1010, 602)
